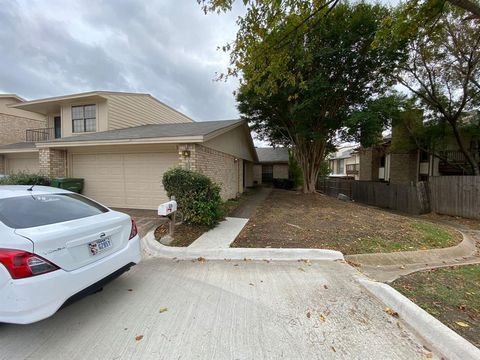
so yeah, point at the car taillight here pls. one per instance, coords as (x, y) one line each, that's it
(134, 230)
(22, 264)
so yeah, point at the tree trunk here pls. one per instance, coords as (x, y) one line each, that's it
(472, 160)
(309, 154)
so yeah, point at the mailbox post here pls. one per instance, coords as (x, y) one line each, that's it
(168, 210)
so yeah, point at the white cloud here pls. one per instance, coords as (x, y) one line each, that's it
(165, 47)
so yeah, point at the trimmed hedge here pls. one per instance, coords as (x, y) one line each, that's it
(198, 198)
(286, 184)
(23, 178)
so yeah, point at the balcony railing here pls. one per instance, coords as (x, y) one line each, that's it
(352, 169)
(453, 162)
(42, 134)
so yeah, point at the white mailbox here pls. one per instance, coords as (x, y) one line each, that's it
(167, 208)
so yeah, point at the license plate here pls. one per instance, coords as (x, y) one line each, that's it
(99, 246)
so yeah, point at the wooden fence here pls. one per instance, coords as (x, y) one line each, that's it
(412, 199)
(455, 195)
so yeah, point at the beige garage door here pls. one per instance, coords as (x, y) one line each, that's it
(124, 180)
(21, 163)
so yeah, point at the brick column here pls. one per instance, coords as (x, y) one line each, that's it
(187, 162)
(366, 158)
(52, 162)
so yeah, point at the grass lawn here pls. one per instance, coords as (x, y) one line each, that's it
(452, 295)
(290, 219)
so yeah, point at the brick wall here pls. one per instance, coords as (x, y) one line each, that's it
(53, 162)
(369, 163)
(403, 168)
(12, 128)
(224, 169)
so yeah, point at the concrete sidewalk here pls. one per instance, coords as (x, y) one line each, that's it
(221, 236)
(227, 231)
(251, 201)
(389, 266)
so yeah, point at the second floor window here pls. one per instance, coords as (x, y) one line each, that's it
(84, 118)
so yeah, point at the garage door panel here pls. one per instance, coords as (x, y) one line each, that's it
(16, 163)
(124, 180)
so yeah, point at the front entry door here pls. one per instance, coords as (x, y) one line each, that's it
(58, 127)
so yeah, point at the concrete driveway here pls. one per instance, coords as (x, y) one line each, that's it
(220, 310)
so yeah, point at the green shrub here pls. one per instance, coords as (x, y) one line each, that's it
(23, 178)
(198, 198)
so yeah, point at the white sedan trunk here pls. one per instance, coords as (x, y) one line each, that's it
(73, 244)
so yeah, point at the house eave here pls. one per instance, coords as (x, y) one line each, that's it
(168, 140)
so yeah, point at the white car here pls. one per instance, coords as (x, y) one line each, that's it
(56, 246)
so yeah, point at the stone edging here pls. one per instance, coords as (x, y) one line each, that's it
(152, 248)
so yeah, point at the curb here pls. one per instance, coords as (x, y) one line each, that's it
(444, 340)
(152, 248)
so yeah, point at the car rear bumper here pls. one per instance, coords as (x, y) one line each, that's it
(29, 300)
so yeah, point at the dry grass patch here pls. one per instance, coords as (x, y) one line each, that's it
(290, 219)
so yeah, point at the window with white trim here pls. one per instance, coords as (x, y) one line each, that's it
(84, 118)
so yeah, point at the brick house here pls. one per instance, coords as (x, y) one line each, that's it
(272, 164)
(13, 125)
(122, 143)
(386, 162)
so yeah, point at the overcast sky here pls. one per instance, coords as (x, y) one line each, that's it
(167, 48)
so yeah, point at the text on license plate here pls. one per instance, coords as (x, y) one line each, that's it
(99, 246)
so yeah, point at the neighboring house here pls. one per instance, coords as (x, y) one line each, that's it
(344, 163)
(272, 164)
(386, 163)
(122, 143)
(13, 125)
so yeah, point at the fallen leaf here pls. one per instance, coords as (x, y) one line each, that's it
(462, 324)
(325, 286)
(162, 310)
(427, 354)
(251, 284)
(463, 307)
(130, 290)
(333, 349)
(391, 312)
(309, 314)
(402, 267)
(139, 337)
(322, 317)
(301, 269)
(201, 259)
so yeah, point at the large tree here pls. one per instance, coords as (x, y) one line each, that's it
(427, 7)
(301, 92)
(443, 73)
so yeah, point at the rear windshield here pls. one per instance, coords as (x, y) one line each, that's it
(37, 210)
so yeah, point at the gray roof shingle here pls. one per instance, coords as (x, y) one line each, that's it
(18, 146)
(200, 128)
(272, 155)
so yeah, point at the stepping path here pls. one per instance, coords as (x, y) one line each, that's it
(227, 231)
(387, 267)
